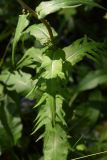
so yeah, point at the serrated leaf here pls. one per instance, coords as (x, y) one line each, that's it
(92, 80)
(44, 117)
(59, 111)
(19, 81)
(80, 48)
(48, 7)
(55, 143)
(40, 32)
(22, 24)
(42, 99)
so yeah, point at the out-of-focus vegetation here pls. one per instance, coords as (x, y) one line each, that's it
(85, 107)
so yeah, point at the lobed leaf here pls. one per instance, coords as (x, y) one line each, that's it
(19, 81)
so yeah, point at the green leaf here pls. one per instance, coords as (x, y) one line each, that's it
(52, 64)
(52, 6)
(31, 56)
(40, 32)
(92, 80)
(80, 48)
(19, 81)
(22, 24)
(44, 113)
(55, 143)
(10, 124)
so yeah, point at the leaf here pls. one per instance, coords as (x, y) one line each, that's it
(19, 81)
(59, 111)
(52, 64)
(92, 80)
(52, 6)
(80, 48)
(10, 124)
(55, 143)
(42, 99)
(22, 24)
(31, 56)
(40, 32)
(44, 114)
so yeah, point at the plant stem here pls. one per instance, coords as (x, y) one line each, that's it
(90, 155)
(5, 53)
(45, 22)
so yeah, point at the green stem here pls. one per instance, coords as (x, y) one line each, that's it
(90, 155)
(5, 53)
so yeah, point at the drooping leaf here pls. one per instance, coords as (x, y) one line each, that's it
(48, 7)
(55, 143)
(19, 81)
(22, 24)
(40, 32)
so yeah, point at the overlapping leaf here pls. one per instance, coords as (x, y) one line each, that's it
(52, 64)
(31, 56)
(40, 32)
(48, 7)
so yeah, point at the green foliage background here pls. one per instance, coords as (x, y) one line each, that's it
(77, 84)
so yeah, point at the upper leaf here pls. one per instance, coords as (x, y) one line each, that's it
(22, 24)
(48, 7)
(40, 32)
